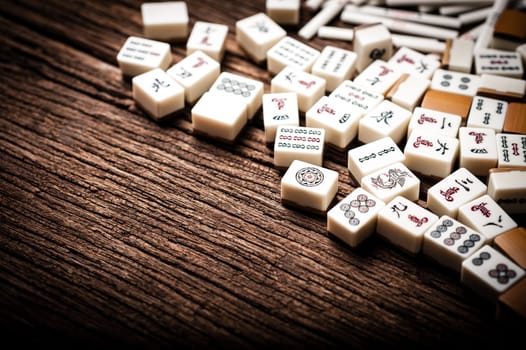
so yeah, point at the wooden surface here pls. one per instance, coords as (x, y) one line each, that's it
(117, 230)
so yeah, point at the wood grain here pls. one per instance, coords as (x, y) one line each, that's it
(116, 230)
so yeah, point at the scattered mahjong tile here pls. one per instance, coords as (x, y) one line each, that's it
(139, 55)
(378, 77)
(434, 121)
(372, 42)
(290, 52)
(511, 149)
(507, 186)
(478, 150)
(512, 243)
(391, 181)
(487, 112)
(447, 102)
(335, 65)
(387, 119)
(298, 143)
(408, 91)
(165, 20)
(503, 88)
(515, 121)
(279, 109)
(209, 38)
(455, 82)
(414, 63)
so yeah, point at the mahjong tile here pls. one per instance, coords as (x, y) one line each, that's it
(478, 150)
(284, 11)
(460, 83)
(434, 121)
(290, 52)
(413, 62)
(447, 102)
(165, 20)
(499, 62)
(357, 95)
(507, 186)
(354, 218)
(372, 42)
(511, 304)
(512, 243)
(487, 112)
(511, 150)
(386, 119)
(460, 54)
(209, 38)
(391, 181)
(378, 77)
(500, 87)
(515, 121)
(408, 91)
(279, 109)
(139, 55)
(335, 65)
(298, 142)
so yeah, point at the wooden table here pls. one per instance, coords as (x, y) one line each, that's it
(119, 230)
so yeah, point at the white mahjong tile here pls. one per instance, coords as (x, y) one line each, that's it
(157, 93)
(449, 242)
(279, 109)
(309, 186)
(256, 34)
(487, 112)
(357, 95)
(489, 273)
(372, 42)
(335, 65)
(511, 150)
(308, 87)
(338, 119)
(461, 55)
(165, 20)
(209, 38)
(139, 55)
(378, 77)
(508, 188)
(298, 142)
(284, 11)
(354, 218)
(413, 62)
(403, 223)
(483, 214)
(502, 87)
(456, 82)
(453, 191)
(196, 73)
(247, 91)
(435, 121)
(391, 181)
(217, 116)
(499, 62)
(478, 150)
(430, 153)
(386, 119)
(365, 159)
(292, 53)
(408, 91)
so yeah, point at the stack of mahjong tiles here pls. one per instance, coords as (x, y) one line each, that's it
(399, 113)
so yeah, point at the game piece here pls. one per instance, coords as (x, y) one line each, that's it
(419, 43)
(489, 273)
(157, 93)
(279, 109)
(391, 181)
(430, 153)
(474, 16)
(510, 25)
(283, 11)
(487, 112)
(453, 191)
(515, 121)
(246, 91)
(354, 218)
(196, 73)
(298, 142)
(507, 186)
(308, 186)
(336, 33)
(378, 77)
(328, 12)
(455, 82)
(365, 159)
(372, 42)
(219, 116)
(403, 223)
(447, 102)
(209, 38)
(434, 121)
(458, 56)
(499, 62)
(511, 304)
(289, 52)
(139, 55)
(484, 215)
(256, 34)
(357, 96)
(308, 87)
(449, 242)
(335, 65)
(165, 20)
(408, 91)
(512, 243)
(478, 150)
(500, 87)
(386, 119)
(413, 16)
(413, 62)
(511, 150)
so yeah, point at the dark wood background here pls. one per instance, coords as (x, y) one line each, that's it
(116, 230)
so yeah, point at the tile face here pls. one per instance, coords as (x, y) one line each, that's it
(378, 77)
(513, 244)
(165, 20)
(478, 150)
(284, 11)
(298, 142)
(392, 181)
(485, 216)
(431, 154)
(354, 218)
(196, 73)
(335, 65)
(511, 150)
(501, 87)
(498, 62)
(338, 119)
(487, 112)
(408, 91)
(357, 96)
(403, 223)
(386, 119)
(449, 194)
(279, 109)
(292, 53)
(434, 121)
(373, 156)
(456, 82)
(139, 55)
(209, 38)
(414, 63)
(157, 93)
(515, 121)
(489, 273)
(308, 87)
(220, 117)
(449, 242)
(256, 34)
(507, 186)
(372, 42)
(246, 91)
(309, 186)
